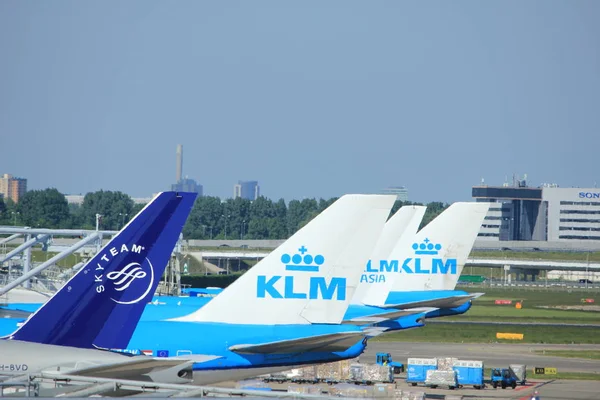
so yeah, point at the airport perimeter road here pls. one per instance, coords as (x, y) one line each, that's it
(549, 390)
(568, 389)
(493, 355)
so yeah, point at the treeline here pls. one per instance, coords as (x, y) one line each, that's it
(48, 208)
(211, 217)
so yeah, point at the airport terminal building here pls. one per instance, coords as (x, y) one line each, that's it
(547, 213)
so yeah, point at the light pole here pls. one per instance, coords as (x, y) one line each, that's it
(587, 266)
(98, 219)
(123, 216)
(242, 230)
(226, 223)
(15, 217)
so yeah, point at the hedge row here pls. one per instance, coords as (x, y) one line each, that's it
(202, 281)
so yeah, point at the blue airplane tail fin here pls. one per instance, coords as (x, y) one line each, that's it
(101, 304)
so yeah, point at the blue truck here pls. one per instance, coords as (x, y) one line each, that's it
(386, 359)
(502, 377)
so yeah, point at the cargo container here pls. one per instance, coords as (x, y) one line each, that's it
(416, 369)
(519, 371)
(368, 374)
(437, 377)
(345, 371)
(469, 373)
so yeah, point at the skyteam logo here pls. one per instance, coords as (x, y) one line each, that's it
(288, 287)
(124, 278)
(425, 262)
(130, 283)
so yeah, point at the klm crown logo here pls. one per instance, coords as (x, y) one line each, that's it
(286, 287)
(427, 248)
(302, 262)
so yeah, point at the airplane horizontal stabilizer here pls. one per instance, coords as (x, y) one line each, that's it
(14, 314)
(197, 358)
(375, 318)
(444, 302)
(372, 331)
(139, 365)
(332, 342)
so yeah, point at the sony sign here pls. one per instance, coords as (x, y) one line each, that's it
(589, 195)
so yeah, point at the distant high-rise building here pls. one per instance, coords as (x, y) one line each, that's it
(184, 184)
(400, 191)
(246, 190)
(179, 161)
(543, 213)
(12, 188)
(188, 185)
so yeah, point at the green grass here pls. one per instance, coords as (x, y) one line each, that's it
(39, 256)
(507, 254)
(496, 273)
(532, 298)
(511, 255)
(586, 354)
(487, 373)
(472, 333)
(232, 248)
(585, 376)
(484, 310)
(537, 255)
(511, 314)
(590, 376)
(67, 262)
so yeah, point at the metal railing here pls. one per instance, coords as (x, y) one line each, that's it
(32, 389)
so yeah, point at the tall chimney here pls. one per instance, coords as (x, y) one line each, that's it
(179, 162)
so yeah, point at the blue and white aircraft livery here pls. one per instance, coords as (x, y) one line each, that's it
(290, 302)
(262, 321)
(425, 273)
(106, 297)
(112, 289)
(405, 222)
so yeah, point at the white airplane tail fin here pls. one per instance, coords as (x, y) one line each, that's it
(435, 260)
(312, 276)
(399, 232)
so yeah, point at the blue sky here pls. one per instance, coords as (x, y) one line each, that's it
(310, 98)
